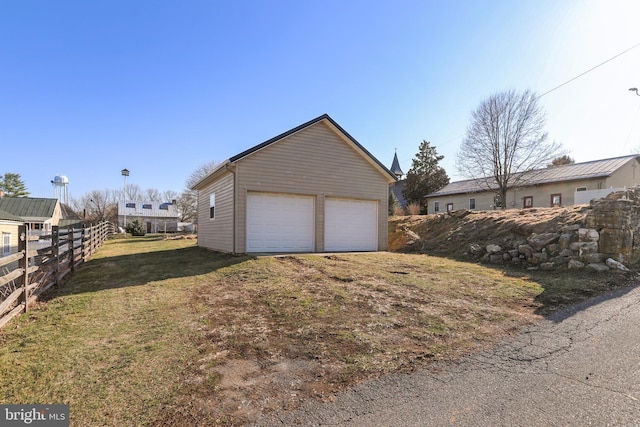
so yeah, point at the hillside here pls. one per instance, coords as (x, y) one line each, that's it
(450, 235)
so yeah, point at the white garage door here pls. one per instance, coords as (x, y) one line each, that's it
(350, 225)
(279, 223)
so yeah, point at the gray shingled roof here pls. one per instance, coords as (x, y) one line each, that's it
(29, 208)
(576, 171)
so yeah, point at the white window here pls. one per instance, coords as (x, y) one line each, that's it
(212, 205)
(472, 203)
(527, 202)
(6, 244)
(449, 207)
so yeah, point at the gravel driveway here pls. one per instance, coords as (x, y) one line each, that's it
(579, 367)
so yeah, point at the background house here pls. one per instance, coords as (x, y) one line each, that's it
(41, 214)
(9, 224)
(157, 217)
(554, 186)
(311, 189)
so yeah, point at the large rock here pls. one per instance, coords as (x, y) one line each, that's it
(612, 263)
(538, 258)
(566, 253)
(493, 249)
(598, 266)
(616, 241)
(539, 241)
(526, 250)
(495, 259)
(584, 247)
(575, 264)
(593, 258)
(570, 228)
(547, 266)
(476, 250)
(565, 240)
(588, 235)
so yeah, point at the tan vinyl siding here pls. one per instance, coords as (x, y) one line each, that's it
(11, 228)
(217, 234)
(315, 161)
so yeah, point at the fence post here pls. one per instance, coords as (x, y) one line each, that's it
(23, 246)
(55, 253)
(71, 243)
(84, 244)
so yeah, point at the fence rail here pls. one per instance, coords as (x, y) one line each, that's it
(43, 261)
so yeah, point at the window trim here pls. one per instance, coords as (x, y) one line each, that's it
(6, 245)
(449, 207)
(436, 206)
(581, 188)
(559, 195)
(472, 207)
(524, 202)
(212, 205)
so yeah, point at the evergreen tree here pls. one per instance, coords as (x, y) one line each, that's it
(425, 176)
(562, 160)
(13, 186)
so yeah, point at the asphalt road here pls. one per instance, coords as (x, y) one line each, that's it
(580, 367)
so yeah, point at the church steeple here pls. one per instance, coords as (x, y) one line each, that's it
(395, 166)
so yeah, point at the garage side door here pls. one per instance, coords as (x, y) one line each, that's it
(350, 225)
(279, 223)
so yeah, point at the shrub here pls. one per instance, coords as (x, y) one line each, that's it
(398, 211)
(136, 228)
(414, 208)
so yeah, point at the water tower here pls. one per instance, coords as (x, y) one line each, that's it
(61, 188)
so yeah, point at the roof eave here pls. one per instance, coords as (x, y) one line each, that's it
(327, 119)
(210, 175)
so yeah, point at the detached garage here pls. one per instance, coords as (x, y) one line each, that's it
(311, 189)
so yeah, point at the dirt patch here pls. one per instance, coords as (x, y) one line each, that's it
(281, 330)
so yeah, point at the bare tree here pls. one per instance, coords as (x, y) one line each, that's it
(152, 195)
(188, 199)
(202, 171)
(188, 205)
(505, 142)
(97, 205)
(169, 196)
(133, 193)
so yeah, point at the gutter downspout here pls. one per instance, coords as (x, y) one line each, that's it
(232, 170)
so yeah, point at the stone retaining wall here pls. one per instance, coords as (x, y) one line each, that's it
(605, 241)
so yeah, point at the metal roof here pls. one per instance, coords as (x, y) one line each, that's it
(6, 216)
(586, 170)
(29, 207)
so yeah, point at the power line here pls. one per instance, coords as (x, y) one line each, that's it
(589, 70)
(563, 84)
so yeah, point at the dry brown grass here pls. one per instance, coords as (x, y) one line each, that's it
(160, 332)
(280, 330)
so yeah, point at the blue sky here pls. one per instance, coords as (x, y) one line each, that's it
(90, 87)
